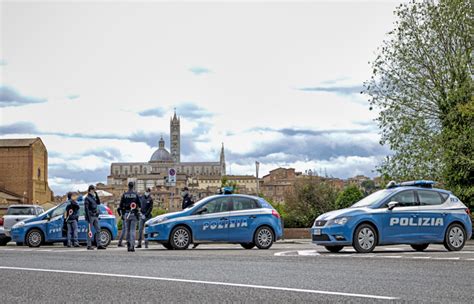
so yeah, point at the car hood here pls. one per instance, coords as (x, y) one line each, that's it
(342, 212)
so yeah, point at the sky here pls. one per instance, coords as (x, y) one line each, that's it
(276, 82)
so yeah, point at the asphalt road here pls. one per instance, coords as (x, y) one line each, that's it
(287, 273)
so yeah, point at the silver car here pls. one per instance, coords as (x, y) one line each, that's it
(15, 214)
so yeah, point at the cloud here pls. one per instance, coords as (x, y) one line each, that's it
(296, 132)
(9, 97)
(294, 145)
(199, 70)
(334, 81)
(73, 96)
(157, 112)
(3, 62)
(193, 111)
(342, 90)
(21, 127)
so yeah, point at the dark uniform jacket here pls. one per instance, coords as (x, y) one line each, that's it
(147, 206)
(74, 206)
(187, 201)
(128, 198)
(91, 206)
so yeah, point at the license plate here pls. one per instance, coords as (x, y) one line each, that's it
(317, 231)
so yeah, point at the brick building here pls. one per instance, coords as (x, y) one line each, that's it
(278, 182)
(24, 169)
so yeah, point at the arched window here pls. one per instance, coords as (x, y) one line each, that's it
(39, 173)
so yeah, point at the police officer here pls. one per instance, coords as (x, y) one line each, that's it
(187, 200)
(91, 211)
(72, 216)
(130, 203)
(121, 213)
(146, 209)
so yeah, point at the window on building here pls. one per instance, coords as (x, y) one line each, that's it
(39, 173)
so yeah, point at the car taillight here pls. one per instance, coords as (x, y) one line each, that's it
(275, 214)
(1, 221)
(109, 211)
(468, 211)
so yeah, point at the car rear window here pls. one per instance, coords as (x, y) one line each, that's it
(429, 198)
(21, 211)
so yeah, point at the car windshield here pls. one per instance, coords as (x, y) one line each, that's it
(372, 199)
(21, 211)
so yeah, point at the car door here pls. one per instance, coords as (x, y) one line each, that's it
(399, 224)
(82, 225)
(54, 226)
(242, 219)
(211, 221)
(432, 217)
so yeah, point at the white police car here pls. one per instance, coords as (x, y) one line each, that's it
(229, 218)
(411, 213)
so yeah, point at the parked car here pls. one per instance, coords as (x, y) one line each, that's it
(228, 218)
(411, 213)
(18, 213)
(47, 228)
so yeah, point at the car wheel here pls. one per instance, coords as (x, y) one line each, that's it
(455, 237)
(247, 245)
(167, 246)
(334, 249)
(180, 238)
(4, 241)
(365, 238)
(34, 238)
(420, 247)
(264, 237)
(105, 237)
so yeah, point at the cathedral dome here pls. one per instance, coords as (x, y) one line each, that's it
(161, 155)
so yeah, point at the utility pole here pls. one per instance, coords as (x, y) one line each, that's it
(257, 166)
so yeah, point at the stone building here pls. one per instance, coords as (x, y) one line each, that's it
(24, 169)
(154, 173)
(277, 183)
(246, 184)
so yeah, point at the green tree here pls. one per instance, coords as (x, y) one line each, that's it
(309, 198)
(347, 197)
(422, 86)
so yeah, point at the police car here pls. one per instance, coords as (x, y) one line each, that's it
(228, 218)
(47, 228)
(411, 213)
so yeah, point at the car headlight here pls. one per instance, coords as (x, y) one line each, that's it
(18, 225)
(340, 220)
(157, 220)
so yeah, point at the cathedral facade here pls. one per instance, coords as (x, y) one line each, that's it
(154, 173)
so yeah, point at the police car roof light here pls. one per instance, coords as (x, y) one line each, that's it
(415, 183)
(228, 190)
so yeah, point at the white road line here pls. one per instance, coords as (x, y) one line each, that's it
(307, 252)
(420, 258)
(283, 253)
(389, 256)
(447, 259)
(312, 291)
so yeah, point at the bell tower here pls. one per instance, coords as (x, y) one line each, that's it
(175, 138)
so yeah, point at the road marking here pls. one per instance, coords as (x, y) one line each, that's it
(307, 252)
(447, 259)
(312, 291)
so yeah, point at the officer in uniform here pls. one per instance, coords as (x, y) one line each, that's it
(121, 213)
(91, 211)
(146, 209)
(72, 216)
(130, 203)
(187, 200)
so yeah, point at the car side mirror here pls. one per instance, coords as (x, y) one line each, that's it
(202, 210)
(392, 205)
(48, 217)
